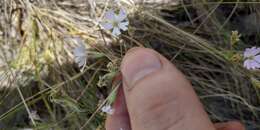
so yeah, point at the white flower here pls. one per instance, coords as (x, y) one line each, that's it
(115, 22)
(80, 54)
(107, 109)
(35, 116)
(252, 58)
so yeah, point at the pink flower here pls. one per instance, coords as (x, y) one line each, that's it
(252, 58)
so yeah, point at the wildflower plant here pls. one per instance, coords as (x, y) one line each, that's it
(235, 38)
(110, 79)
(107, 108)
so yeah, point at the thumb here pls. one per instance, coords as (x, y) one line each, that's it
(158, 96)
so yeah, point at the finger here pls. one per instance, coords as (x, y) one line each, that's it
(232, 125)
(119, 120)
(158, 96)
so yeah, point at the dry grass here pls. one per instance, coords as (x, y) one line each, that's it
(38, 72)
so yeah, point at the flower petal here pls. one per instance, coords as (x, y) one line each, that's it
(255, 51)
(81, 63)
(257, 59)
(122, 15)
(107, 109)
(251, 64)
(79, 41)
(110, 15)
(79, 51)
(80, 55)
(246, 64)
(123, 25)
(107, 26)
(77, 59)
(116, 31)
(247, 52)
(251, 52)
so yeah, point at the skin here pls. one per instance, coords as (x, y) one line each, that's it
(155, 95)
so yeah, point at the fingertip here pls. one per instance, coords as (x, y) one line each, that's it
(138, 63)
(231, 125)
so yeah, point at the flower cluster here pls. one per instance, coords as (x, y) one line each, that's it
(115, 22)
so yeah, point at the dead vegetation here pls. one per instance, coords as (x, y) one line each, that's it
(38, 73)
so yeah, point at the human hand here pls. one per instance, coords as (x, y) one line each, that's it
(156, 96)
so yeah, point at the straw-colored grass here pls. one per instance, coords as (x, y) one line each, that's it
(38, 73)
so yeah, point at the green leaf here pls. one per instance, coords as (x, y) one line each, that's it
(67, 102)
(112, 96)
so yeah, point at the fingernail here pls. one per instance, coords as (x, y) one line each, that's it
(138, 64)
